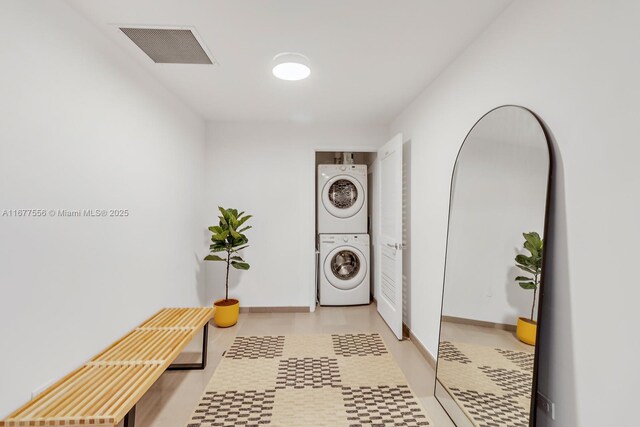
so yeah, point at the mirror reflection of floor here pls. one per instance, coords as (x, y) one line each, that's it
(488, 372)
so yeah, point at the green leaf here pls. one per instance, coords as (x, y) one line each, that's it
(213, 258)
(528, 246)
(222, 236)
(235, 234)
(527, 285)
(524, 260)
(243, 220)
(240, 265)
(242, 230)
(237, 258)
(239, 242)
(216, 229)
(522, 278)
(231, 216)
(533, 238)
(239, 249)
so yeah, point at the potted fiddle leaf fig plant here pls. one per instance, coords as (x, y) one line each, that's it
(228, 240)
(531, 264)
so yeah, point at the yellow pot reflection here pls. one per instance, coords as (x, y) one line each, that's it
(526, 331)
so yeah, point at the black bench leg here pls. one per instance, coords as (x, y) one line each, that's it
(198, 366)
(130, 418)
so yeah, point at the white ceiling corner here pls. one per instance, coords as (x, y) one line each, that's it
(369, 58)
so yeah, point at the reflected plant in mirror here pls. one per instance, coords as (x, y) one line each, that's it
(531, 264)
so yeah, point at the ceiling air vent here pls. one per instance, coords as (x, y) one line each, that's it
(169, 45)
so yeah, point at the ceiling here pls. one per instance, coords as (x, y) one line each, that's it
(369, 58)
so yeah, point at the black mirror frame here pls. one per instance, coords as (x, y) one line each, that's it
(545, 263)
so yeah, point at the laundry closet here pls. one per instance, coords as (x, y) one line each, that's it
(344, 245)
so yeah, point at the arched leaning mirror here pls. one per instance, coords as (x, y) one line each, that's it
(493, 273)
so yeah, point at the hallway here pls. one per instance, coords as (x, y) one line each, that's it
(170, 402)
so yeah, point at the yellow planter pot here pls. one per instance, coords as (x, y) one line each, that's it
(526, 331)
(226, 312)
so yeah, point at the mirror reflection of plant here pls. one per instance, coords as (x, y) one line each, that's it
(531, 264)
(228, 237)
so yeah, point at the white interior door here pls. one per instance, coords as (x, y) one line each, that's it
(388, 245)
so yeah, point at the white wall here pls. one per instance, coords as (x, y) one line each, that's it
(269, 171)
(575, 63)
(80, 127)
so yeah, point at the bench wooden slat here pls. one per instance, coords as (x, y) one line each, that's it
(75, 400)
(102, 392)
(179, 318)
(147, 345)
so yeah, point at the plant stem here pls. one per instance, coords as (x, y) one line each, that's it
(226, 285)
(535, 290)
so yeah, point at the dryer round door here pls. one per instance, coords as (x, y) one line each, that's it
(345, 267)
(343, 196)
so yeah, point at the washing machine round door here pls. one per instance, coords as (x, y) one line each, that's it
(343, 196)
(345, 267)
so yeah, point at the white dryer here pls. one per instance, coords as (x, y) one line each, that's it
(344, 269)
(342, 199)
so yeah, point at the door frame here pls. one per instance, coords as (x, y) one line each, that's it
(314, 207)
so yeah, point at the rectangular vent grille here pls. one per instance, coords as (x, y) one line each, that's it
(168, 46)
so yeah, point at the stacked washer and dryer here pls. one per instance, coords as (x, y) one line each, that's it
(343, 268)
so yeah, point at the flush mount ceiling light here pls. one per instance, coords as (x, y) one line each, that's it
(291, 66)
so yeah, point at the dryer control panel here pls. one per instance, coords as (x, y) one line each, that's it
(360, 170)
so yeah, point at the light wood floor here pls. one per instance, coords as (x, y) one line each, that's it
(481, 335)
(170, 401)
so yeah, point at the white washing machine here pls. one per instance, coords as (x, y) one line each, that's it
(344, 269)
(342, 199)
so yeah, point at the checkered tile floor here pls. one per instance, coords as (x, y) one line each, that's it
(491, 385)
(347, 380)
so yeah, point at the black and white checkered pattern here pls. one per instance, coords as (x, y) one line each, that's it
(272, 381)
(358, 345)
(449, 352)
(256, 348)
(308, 372)
(382, 406)
(520, 358)
(490, 410)
(510, 381)
(234, 408)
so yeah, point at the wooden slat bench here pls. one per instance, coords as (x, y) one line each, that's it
(106, 389)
